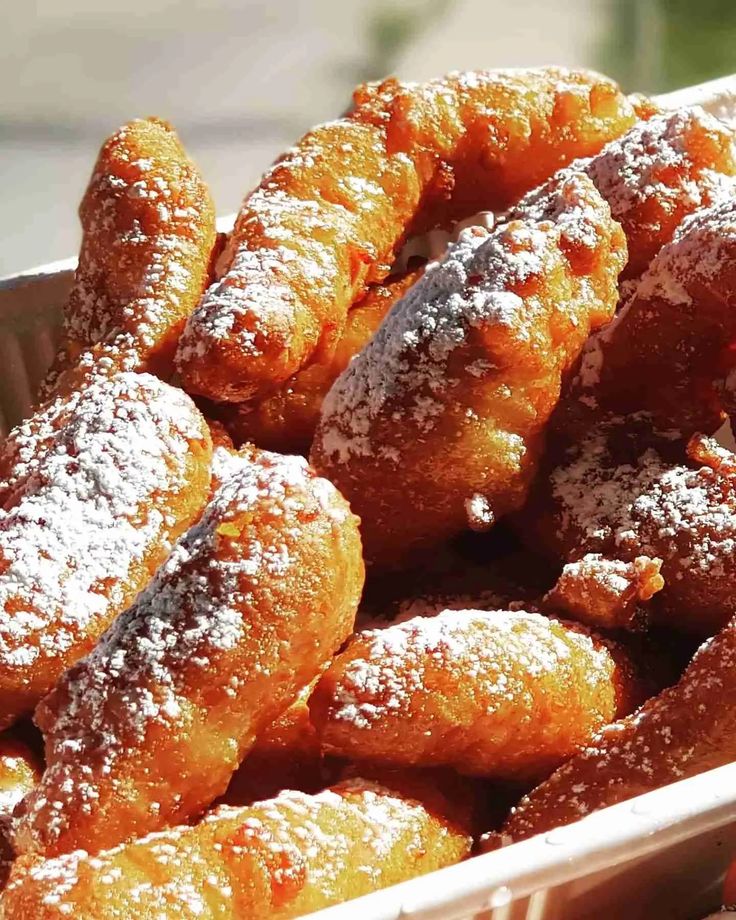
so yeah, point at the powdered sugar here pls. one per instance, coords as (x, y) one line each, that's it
(86, 491)
(405, 371)
(343, 840)
(389, 673)
(644, 506)
(143, 671)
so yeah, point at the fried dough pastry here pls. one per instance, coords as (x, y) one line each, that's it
(252, 603)
(93, 487)
(604, 593)
(328, 218)
(285, 420)
(149, 231)
(437, 425)
(652, 177)
(673, 341)
(686, 729)
(281, 858)
(507, 695)
(615, 496)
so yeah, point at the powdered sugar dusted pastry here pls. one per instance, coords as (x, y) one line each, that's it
(499, 694)
(672, 342)
(686, 729)
(149, 231)
(281, 858)
(605, 593)
(253, 601)
(620, 495)
(93, 488)
(437, 425)
(652, 177)
(329, 217)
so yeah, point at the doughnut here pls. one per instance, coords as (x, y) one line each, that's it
(148, 226)
(255, 598)
(620, 496)
(686, 729)
(281, 858)
(672, 343)
(329, 216)
(652, 177)
(93, 488)
(285, 420)
(438, 424)
(504, 695)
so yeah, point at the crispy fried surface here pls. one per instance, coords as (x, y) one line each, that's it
(437, 425)
(148, 729)
(605, 593)
(622, 493)
(685, 730)
(503, 694)
(149, 230)
(653, 176)
(672, 341)
(328, 218)
(281, 858)
(285, 420)
(92, 487)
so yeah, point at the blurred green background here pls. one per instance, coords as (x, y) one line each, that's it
(242, 79)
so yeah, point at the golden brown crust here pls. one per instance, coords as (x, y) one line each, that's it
(677, 328)
(328, 218)
(437, 425)
(285, 420)
(279, 859)
(93, 486)
(604, 593)
(149, 231)
(623, 492)
(253, 601)
(653, 176)
(507, 695)
(685, 730)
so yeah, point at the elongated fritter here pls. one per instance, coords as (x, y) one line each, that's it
(148, 729)
(686, 729)
(281, 858)
(93, 488)
(149, 231)
(500, 694)
(438, 424)
(328, 218)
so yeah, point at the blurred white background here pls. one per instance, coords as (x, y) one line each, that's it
(242, 79)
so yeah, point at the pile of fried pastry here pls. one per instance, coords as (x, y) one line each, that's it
(325, 564)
